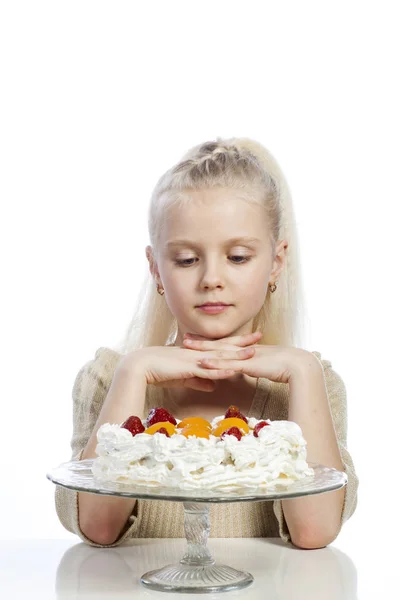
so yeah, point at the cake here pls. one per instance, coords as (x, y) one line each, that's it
(230, 452)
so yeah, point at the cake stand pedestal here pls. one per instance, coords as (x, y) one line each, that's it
(197, 571)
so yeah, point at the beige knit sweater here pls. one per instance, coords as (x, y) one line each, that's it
(159, 519)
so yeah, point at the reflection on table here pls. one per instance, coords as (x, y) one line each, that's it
(280, 571)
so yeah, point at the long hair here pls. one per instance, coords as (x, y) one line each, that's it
(245, 165)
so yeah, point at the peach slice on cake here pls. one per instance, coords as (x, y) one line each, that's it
(162, 424)
(195, 421)
(203, 432)
(228, 423)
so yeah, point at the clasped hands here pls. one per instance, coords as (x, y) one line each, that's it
(242, 354)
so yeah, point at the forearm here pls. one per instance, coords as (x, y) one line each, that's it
(314, 521)
(102, 518)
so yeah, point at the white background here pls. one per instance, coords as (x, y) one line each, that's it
(98, 99)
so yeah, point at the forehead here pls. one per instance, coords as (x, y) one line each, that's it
(210, 216)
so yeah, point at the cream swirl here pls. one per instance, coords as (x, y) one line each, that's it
(277, 455)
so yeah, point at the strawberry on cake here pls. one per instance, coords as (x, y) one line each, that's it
(230, 452)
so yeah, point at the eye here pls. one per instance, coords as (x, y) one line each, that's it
(185, 262)
(244, 259)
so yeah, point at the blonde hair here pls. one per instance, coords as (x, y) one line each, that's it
(245, 165)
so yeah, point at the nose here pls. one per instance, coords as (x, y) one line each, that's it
(211, 277)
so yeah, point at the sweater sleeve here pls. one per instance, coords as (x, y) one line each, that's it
(337, 398)
(89, 392)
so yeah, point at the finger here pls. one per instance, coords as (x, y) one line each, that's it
(235, 354)
(220, 349)
(227, 362)
(223, 354)
(216, 373)
(239, 340)
(223, 344)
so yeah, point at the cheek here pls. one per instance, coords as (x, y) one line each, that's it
(178, 291)
(253, 299)
(178, 284)
(254, 290)
(254, 281)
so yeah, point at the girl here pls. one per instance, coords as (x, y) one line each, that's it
(222, 233)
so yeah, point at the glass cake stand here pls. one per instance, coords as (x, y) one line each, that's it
(197, 571)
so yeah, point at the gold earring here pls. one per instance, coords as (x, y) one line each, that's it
(272, 288)
(160, 289)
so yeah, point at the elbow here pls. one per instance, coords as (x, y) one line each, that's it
(308, 544)
(309, 540)
(100, 534)
(100, 537)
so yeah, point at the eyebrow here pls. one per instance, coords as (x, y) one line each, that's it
(231, 241)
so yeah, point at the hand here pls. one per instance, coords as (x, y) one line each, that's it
(276, 363)
(173, 366)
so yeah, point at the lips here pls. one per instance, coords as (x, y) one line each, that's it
(213, 304)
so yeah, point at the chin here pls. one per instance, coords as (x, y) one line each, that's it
(215, 333)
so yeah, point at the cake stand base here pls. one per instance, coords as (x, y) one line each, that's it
(197, 572)
(197, 580)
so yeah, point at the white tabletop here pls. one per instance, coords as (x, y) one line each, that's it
(69, 569)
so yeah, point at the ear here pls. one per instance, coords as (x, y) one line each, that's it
(152, 264)
(279, 259)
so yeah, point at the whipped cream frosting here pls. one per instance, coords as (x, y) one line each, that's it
(277, 456)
